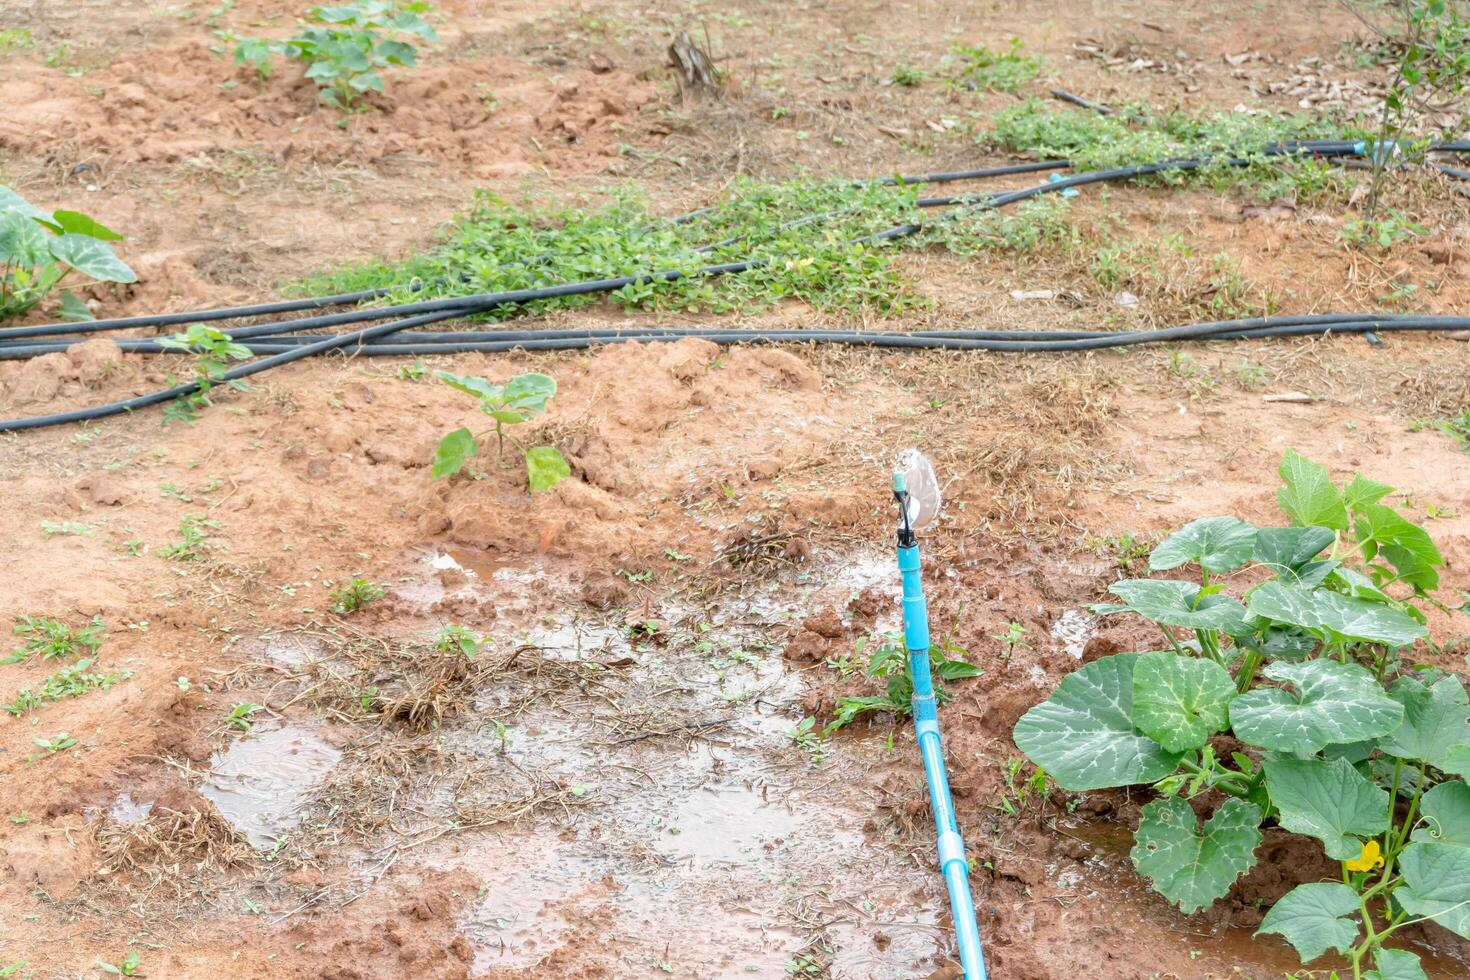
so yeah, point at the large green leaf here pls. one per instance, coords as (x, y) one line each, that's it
(10, 201)
(1437, 884)
(1334, 703)
(1330, 801)
(1333, 615)
(545, 468)
(1216, 544)
(454, 449)
(1404, 544)
(1084, 736)
(1179, 604)
(1180, 702)
(1190, 868)
(1445, 810)
(22, 242)
(1436, 719)
(1309, 496)
(530, 391)
(1396, 964)
(74, 222)
(1291, 547)
(91, 257)
(1312, 917)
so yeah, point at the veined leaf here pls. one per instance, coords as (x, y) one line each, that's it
(1334, 703)
(1436, 719)
(454, 449)
(1084, 736)
(1180, 702)
(470, 385)
(91, 257)
(1396, 964)
(1404, 544)
(22, 242)
(545, 468)
(1309, 496)
(1437, 884)
(1445, 810)
(1189, 867)
(11, 201)
(1330, 801)
(1333, 615)
(1312, 917)
(1291, 547)
(1180, 604)
(1216, 544)
(1364, 491)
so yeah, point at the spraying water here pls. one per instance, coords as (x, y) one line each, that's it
(917, 490)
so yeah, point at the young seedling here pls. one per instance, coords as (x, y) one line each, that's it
(127, 968)
(59, 742)
(354, 595)
(213, 350)
(1013, 637)
(811, 740)
(1295, 704)
(53, 638)
(460, 640)
(890, 662)
(240, 715)
(69, 682)
(998, 71)
(39, 250)
(518, 400)
(70, 529)
(346, 47)
(192, 547)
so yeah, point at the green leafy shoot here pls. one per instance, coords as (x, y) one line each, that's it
(240, 715)
(998, 71)
(458, 640)
(889, 663)
(194, 540)
(127, 968)
(354, 595)
(69, 682)
(213, 350)
(346, 48)
(53, 638)
(519, 400)
(39, 250)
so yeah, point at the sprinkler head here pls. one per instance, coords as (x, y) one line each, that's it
(920, 498)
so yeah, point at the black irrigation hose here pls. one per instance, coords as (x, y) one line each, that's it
(434, 311)
(343, 299)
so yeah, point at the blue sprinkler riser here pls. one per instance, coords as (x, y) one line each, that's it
(952, 862)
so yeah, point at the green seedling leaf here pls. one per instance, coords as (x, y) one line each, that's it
(1445, 810)
(1437, 884)
(76, 223)
(1180, 604)
(1291, 547)
(1312, 918)
(1334, 616)
(1216, 544)
(1403, 544)
(479, 387)
(1335, 703)
(92, 257)
(1190, 868)
(545, 468)
(1436, 720)
(1180, 702)
(530, 391)
(1309, 496)
(1330, 801)
(1084, 736)
(1396, 964)
(454, 449)
(1364, 491)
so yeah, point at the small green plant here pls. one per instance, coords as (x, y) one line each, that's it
(69, 682)
(240, 715)
(213, 350)
(13, 39)
(1457, 427)
(906, 76)
(354, 595)
(39, 250)
(998, 71)
(1382, 232)
(811, 740)
(889, 662)
(1127, 548)
(1014, 637)
(519, 400)
(53, 638)
(346, 47)
(59, 742)
(1294, 704)
(460, 640)
(127, 968)
(194, 542)
(69, 529)
(1020, 791)
(414, 372)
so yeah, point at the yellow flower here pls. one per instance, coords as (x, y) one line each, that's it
(1368, 860)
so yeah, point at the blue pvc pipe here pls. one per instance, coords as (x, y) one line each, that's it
(952, 862)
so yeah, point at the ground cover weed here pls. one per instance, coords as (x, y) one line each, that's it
(345, 48)
(53, 638)
(194, 540)
(889, 662)
(213, 350)
(69, 682)
(519, 400)
(38, 250)
(354, 595)
(1294, 703)
(999, 71)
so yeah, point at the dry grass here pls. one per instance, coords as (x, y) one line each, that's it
(175, 855)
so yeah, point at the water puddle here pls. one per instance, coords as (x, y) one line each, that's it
(730, 824)
(1072, 630)
(126, 810)
(260, 783)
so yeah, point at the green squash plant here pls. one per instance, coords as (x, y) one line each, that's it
(519, 400)
(1292, 704)
(38, 250)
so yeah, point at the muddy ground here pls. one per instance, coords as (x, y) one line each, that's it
(609, 788)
